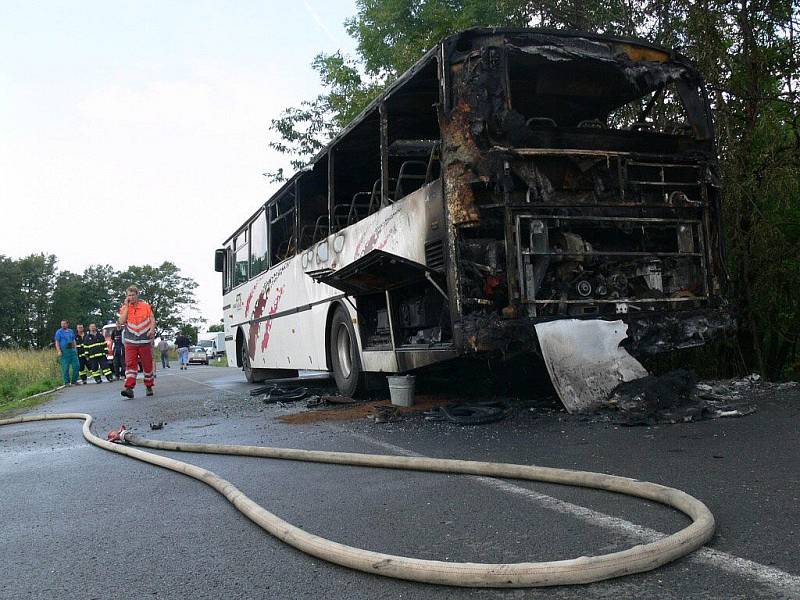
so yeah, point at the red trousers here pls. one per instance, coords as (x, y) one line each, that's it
(133, 353)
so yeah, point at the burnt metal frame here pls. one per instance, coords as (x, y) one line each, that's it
(694, 222)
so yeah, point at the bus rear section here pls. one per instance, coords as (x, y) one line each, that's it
(581, 183)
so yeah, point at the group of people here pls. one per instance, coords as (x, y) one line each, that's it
(83, 354)
(91, 353)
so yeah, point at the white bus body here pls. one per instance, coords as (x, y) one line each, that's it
(281, 318)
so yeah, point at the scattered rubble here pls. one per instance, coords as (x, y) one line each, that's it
(677, 397)
(385, 414)
(319, 401)
(276, 393)
(475, 413)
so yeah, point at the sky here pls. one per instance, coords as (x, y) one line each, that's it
(134, 132)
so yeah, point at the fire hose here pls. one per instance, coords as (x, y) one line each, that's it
(584, 569)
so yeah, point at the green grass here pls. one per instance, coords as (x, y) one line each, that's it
(222, 361)
(24, 373)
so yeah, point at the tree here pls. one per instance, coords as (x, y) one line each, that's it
(11, 302)
(166, 290)
(67, 301)
(37, 280)
(189, 331)
(35, 297)
(102, 296)
(217, 327)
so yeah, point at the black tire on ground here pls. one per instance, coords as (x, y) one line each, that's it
(345, 358)
(250, 374)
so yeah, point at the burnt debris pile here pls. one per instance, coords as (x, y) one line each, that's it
(677, 397)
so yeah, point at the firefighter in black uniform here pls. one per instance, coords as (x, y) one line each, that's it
(95, 346)
(118, 366)
(83, 372)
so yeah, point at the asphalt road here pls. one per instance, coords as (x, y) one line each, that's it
(80, 522)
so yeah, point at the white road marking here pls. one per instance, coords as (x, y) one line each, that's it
(783, 583)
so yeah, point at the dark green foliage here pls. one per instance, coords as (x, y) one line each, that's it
(189, 331)
(11, 314)
(35, 297)
(393, 34)
(164, 289)
(37, 276)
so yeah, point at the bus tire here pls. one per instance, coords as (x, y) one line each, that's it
(345, 358)
(250, 374)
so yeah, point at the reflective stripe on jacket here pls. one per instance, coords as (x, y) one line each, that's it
(79, 345)
(140, 320)
(94, 345)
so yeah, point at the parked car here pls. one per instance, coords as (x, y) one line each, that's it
(198, 354)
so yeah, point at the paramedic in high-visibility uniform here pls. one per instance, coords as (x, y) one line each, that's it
(139, 328)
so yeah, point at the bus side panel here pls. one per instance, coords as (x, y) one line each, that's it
(282, 313)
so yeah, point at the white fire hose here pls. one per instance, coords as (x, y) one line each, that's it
(584, 569)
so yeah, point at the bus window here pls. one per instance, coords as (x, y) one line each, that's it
(226, 270)
(355, 180)
(282, 238)
(313, 205)
(259, 250)
(240, 264)
(413, 132)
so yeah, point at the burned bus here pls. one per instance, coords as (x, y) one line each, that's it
(511, 179)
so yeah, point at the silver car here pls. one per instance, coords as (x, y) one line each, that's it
(197, 354)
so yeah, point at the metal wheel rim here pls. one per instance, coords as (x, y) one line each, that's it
(343, 348)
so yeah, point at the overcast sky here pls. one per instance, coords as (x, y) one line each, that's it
(136, 132)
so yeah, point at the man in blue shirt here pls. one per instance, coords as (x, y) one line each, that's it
(67, 353)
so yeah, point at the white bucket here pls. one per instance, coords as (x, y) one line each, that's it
(401, 389)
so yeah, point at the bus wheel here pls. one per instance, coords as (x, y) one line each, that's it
(252, 375)
(344, 355)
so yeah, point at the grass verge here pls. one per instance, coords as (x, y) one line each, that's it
(221, 361)
(24, 373)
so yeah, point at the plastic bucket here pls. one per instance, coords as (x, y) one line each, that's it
(401, 389)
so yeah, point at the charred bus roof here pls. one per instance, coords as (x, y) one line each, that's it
(628, 68)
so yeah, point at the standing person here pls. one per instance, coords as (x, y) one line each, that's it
(83, 372)
(67, 354)
(182, 342)
(94, 343)
(118, 364)
(163, 348)
(137, 318)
